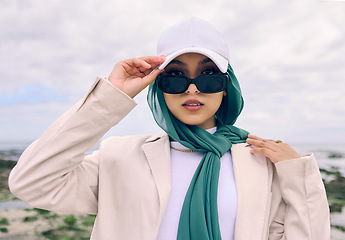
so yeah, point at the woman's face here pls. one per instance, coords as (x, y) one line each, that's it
(193, 107)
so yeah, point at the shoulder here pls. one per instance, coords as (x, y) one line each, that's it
(132, 142)
(129, 150)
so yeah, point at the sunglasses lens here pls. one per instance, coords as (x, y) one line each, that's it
(211, 83)
(204, 83)
(172, 84)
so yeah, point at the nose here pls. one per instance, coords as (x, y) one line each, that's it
(192, 89)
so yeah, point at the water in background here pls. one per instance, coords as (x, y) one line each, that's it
(12, 151)
(323, 152)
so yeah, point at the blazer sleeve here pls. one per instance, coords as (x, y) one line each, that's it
(303, 212)
(53, 172)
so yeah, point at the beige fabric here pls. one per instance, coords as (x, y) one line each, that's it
(127, 181)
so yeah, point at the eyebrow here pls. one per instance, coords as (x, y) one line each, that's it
(206, 60)
(175, 61)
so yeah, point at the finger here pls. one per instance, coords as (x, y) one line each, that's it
(135, 66)
(273, 142)
(155, 61)
(265, 152)
(148, 79)
(263, 143)
(141, 65)
(251, 136)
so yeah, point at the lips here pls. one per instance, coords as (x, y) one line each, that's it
(192, 105)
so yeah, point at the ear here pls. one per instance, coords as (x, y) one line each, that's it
(224, 93)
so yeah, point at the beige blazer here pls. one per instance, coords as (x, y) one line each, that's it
(127, 181)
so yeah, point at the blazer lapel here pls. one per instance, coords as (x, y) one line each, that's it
(157, 151)
(253, 175)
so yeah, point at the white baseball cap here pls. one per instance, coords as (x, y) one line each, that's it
(194, 36)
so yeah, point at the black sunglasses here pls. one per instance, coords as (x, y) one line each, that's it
(173, 84)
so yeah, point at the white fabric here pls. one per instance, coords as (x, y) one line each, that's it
(183, 166)
(194, 35)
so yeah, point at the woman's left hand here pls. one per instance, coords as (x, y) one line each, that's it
(276, 151)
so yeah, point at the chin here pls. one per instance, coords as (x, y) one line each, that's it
(203, 125)
(191, 122)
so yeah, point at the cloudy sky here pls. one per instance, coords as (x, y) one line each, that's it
(288, 55)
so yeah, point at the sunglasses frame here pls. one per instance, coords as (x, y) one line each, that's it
(224, 77)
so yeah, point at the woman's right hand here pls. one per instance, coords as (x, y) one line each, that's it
(131, 76)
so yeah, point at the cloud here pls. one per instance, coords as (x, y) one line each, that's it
(288, 56)
(29, 93)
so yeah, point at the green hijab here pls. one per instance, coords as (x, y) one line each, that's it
(199, 214)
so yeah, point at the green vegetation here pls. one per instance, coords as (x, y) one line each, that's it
(30, 219)
(6, 196)
(7, 164)
(335, 190)
(71, 228)
(4, 221)
(341, 228)
(88, 220)
(5, 168)
(76, 227)
(335, 155)
(41, 211)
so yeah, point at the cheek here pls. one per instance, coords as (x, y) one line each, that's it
(166, 98)
(169, 100)
(216, 102)
(219, 98)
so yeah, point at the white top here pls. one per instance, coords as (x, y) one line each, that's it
(183, 166)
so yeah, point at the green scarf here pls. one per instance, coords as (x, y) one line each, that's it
(199, 214)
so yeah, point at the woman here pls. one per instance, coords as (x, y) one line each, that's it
(202, 178)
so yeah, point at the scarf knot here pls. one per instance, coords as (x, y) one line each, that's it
(217, 143)
(220, 145)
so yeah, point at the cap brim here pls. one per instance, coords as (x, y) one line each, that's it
(219, 60)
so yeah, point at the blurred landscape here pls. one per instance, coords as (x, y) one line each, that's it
(18, 221)
(288, 56)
